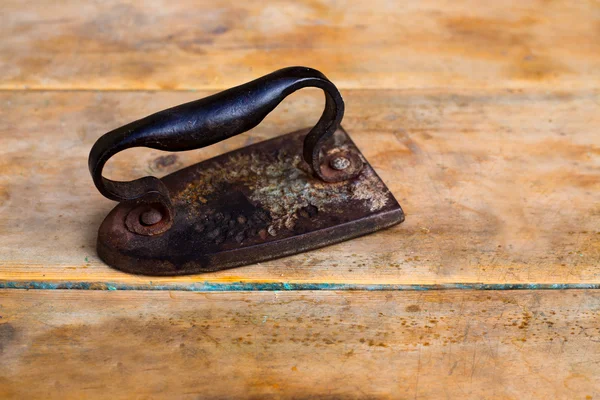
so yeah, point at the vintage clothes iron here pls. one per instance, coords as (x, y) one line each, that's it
(291, 194)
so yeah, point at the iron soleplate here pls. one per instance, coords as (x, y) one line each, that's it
(250, 205)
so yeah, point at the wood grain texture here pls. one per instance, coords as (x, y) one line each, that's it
(448, 344)
(207, 44)
(484, 124)
(498, 186)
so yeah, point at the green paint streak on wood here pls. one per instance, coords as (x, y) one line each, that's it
(287, 286)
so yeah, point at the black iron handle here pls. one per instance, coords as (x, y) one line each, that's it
(209, 120)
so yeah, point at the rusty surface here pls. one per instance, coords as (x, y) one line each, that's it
(257, 203)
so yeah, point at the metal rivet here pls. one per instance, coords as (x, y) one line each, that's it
(151, 217)
(339, 163)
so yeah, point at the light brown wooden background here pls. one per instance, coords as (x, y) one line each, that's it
(483, 118)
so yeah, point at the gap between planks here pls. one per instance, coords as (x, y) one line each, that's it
(241, 286)
(205, 91)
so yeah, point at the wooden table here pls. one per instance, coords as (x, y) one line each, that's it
(483, 118)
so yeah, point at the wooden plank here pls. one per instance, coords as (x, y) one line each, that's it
(207, 44)
(437, 344)
(499, 187)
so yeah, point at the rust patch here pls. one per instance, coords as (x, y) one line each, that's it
(280, 183)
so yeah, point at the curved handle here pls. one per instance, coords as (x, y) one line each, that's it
(209, 120)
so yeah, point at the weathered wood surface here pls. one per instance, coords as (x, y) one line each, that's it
(444, 344)
(384, 44)
(484, 124)
(498, 186)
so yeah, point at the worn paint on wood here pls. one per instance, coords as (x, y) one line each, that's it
(206, 44)
(242, 286)
(450, 344)
(499, 187)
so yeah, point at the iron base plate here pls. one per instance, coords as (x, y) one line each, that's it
(250, 205)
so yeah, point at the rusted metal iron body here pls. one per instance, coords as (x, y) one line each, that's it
(294, 193)
(250, 205)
